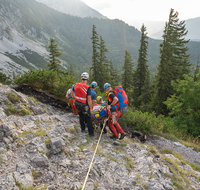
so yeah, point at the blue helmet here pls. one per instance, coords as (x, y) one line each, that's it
(106, 85)
(94, 84)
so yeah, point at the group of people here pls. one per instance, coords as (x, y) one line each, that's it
(82, 98)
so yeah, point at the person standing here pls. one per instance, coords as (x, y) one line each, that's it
(83, 102)
(93, 93)
(112, 106)
(71, 100)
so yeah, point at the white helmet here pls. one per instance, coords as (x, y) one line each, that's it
(85, 76)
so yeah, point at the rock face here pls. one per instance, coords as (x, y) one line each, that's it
(57, 145)
(23, 174)
(48, 149)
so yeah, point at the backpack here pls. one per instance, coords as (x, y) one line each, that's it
(122, 97)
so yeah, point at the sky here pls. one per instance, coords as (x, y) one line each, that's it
(152, 10)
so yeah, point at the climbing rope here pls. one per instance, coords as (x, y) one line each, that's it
(86, 178)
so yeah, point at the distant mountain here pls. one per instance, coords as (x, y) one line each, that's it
(152, 26)
(27, 25)
(72, 7)
(193, 27)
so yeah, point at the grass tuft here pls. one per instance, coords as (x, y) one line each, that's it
(14, 98)
(11, 110)
(40, 132)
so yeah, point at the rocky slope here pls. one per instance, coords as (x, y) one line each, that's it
(42, 146)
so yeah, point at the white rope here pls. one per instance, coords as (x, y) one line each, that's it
(93, 157)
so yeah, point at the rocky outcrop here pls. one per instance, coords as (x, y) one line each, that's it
(47, 149)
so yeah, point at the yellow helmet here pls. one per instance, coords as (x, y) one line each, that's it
(99, 98)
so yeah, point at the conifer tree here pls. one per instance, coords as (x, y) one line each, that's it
(196, 71)
(114, 76)
(173, 61)
(127, 75)
(54, 62)
(95, 54)
(141, 82)
(103, 67)
(71, 70)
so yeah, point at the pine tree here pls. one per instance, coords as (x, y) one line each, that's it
(103, 68)
(127, 75)
(114, 76)
(95, 54)
(196, 71)
(173, 61)
(141, 82)
(54, 62)
(71, 70)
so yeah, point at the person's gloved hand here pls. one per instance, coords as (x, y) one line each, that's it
(68, 104)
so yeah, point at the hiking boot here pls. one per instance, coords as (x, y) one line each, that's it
(113, 137)
(92, 135)
(82, 130)
(122, 136)
(105, 130)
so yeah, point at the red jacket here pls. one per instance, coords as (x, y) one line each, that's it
(80, 90)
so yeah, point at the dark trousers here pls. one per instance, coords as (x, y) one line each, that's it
(83, 117)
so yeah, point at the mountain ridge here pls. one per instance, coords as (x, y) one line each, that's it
(72, 7)
(27, 26)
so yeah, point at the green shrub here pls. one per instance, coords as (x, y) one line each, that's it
(185, 105)
(55, 82)
(14, 98)
(4, 79)
(11, 110)
(25, 111)
(146, 122)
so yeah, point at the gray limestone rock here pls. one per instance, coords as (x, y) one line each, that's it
(31, 102)
(7, 129)
(40, 160)
(57, 145)
(3, 158)
(51, 187)
(2, 150)
(6, 140)
(31, 147)
(2, 114)
(101, 188)
(37, 110)
(65, 163)
(23, 174)
(1, 135)
(7, 182)
(50, 175)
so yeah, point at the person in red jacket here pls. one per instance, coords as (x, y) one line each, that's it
(112, 102)
(83, 102)
(71, 100)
